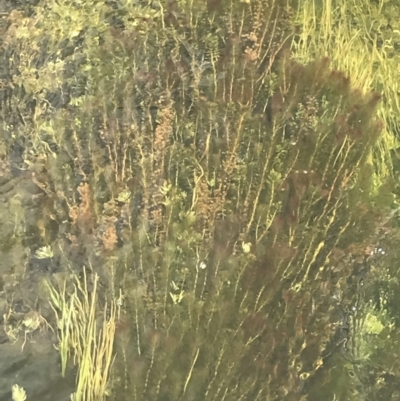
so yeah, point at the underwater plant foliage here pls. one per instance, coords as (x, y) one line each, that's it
(219, 188)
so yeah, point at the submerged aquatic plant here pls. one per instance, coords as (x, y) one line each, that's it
(214, 184)
(84, 338)
(18, 393)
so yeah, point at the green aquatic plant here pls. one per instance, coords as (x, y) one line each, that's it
(18, 393)
(84, 338)
(361, 38)
(217, 186)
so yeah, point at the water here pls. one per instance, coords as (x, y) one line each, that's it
(158, 263)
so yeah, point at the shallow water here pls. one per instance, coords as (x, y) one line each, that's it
(254, 313)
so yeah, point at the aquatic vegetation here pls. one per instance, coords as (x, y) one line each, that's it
(218, 189)
(81, 337)
(362, 39)
(17, 327)
(18, 393)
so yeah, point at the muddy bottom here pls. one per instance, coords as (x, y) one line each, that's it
(36, 368)
(28, 356)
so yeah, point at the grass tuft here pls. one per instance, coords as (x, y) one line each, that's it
(87, 335)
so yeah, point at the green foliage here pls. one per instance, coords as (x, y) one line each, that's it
(212, 180)
(362, 39)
